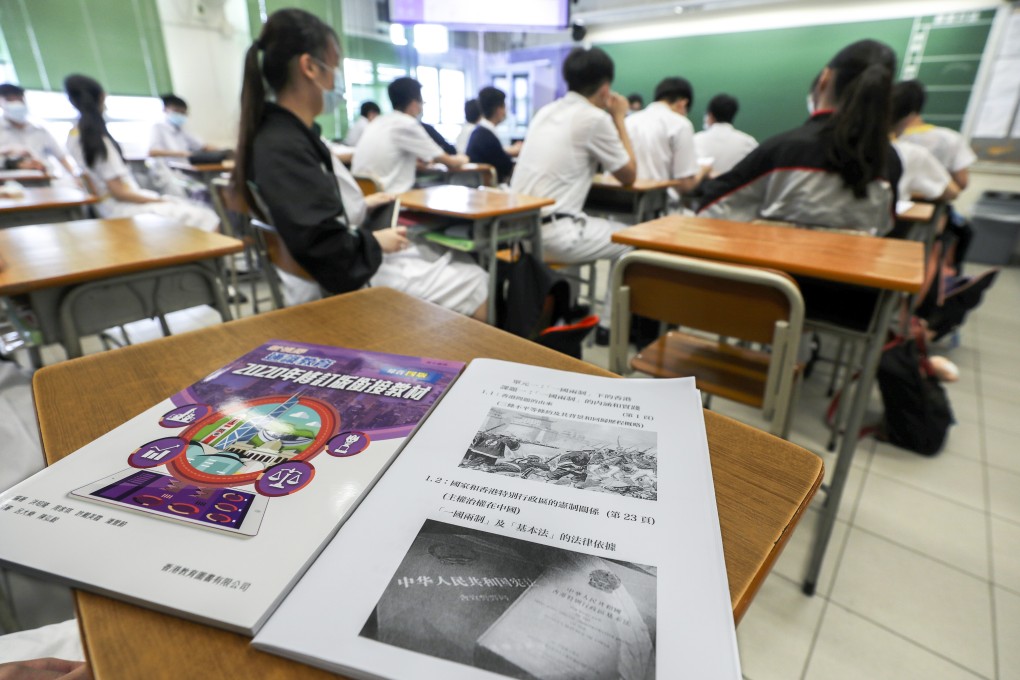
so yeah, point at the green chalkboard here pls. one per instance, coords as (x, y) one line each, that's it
(770, 71)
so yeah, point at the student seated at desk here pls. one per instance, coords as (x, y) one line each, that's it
(663, 138)
(169, 138)
(369, 112)
(391, 147)
(949, 147)
(565, 143)
(484, 146)
(472, 114)
(27, 146)
(836, 171)
(318, 220)
(92, 147)
(719, 140)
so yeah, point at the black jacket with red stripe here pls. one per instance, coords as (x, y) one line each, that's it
(788, 179)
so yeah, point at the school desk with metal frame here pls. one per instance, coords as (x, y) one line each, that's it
(45, 204)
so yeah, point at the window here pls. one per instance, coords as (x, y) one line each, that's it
(428, 76)
(452, 95)
(522, 99)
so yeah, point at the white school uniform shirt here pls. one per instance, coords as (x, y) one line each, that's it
(948, 146)
(663, 142)
(356, 130)
(725, 144)
(464, 137)
(923, 175)
(166, 137)
(390, 148)
(104, 170)
(30, 138)
(565, 143)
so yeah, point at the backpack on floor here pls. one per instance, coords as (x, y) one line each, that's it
(917, 412)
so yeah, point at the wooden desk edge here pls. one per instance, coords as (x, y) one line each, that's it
(87, 199)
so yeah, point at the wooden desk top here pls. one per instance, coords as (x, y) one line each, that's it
(184, 165)
(762, 484)
(889, 264)
(640, 186)
(46, 255)
(23, 176)
(472, 204)
(918, 212)
(47, 198)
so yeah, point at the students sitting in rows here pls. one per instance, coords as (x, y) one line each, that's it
(838, 170)
(484, 146)
(663, 138)
(26, 145)
(472, 113)
(369, 112)
(96, 152)
(719, 140)
(392, 145)
(635, 102)
(280, 151)
(923, 175)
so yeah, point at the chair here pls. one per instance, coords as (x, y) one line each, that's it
(473, 175)
(368, 185)
(270, 248)
(731, 301)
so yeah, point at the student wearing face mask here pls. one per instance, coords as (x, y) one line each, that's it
(99, 155)
(169, 138)
(308, 195)
(25, 145)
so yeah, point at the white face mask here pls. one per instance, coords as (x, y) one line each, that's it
(331, 98)
(16, 111)
(810, 105)
(705, 124)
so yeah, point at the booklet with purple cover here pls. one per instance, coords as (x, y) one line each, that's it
(211, 504)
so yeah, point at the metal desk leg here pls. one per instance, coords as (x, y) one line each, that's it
(492, 265)
(848, 444)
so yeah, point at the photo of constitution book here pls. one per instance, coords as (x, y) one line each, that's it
(541, 448)
(517, 608)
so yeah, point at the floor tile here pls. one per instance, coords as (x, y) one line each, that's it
(850, 648)
(922, 521)
(1001, 449)
(964, 439)
(953, 477)
(1004, 493)
(1002, 387)
(776, 632)
(793, 561)
(1007, 632)
(1006, 554)
(935, 606)
(852, 490)
(1001, 414)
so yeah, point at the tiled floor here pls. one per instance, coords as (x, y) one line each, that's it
(922, 575)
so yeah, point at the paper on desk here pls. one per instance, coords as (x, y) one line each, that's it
(903, 206)
(540, 524)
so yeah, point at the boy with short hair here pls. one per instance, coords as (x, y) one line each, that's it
(23, 144)
(484, 146)
(663, 138)
(719, 140)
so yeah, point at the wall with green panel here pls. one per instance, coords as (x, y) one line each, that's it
(770, 71)
(118, 42)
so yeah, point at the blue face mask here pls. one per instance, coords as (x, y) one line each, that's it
(16, 111)
(331, 99)
(176, 119)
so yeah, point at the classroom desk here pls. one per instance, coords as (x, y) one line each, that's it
(25, 177)
(762, 484)
(44, 262)
(45, 204)
(495, 216)
(202, 169)
(917, 212)
(639, 202)
(890, 266)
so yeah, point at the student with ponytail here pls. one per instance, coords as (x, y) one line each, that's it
(310, 197)
(836, 171)
(92, 147)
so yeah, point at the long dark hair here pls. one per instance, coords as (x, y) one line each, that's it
(858, 132)
(288, 33)
(86, 95)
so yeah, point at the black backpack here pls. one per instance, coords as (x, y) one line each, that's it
(917, 412)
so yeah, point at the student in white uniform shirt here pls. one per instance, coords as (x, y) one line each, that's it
(98, 154)
(27, 145)
(390, 148)
(663, 138)
(369, 112)
(472, 114)
(169, 138)
(719, 140)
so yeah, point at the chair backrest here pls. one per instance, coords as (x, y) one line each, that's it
(730, 300)
(473, 175)
(368, 185)
(270, 245)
